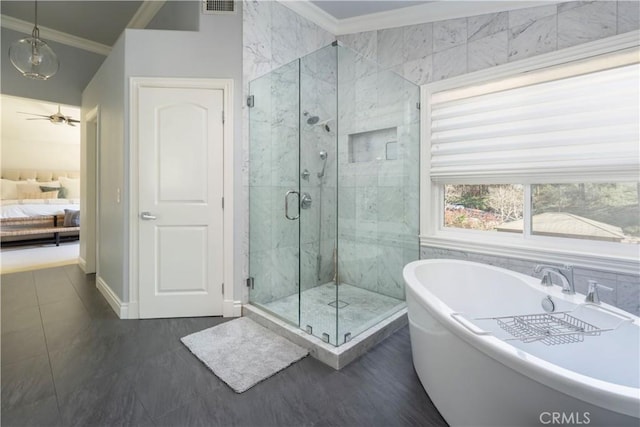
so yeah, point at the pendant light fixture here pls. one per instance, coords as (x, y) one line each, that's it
(32, 56)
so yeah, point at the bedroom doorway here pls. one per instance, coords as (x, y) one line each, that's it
(89, 224)
(178, 218)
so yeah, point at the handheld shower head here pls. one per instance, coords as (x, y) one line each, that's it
(323, 157)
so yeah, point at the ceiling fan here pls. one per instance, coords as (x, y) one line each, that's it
(55, 118)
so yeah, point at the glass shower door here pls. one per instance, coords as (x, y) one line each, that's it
(274, 193)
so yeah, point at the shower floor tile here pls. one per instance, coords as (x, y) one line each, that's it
(363, 309)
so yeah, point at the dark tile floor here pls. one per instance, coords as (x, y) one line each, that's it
(68, 360)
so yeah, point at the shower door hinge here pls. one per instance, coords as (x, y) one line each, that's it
(250, 283)
(250, 101)
(418, 105)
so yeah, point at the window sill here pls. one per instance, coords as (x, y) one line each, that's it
(536, 251)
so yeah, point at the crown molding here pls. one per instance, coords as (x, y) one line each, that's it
(313, 13)
(431, 12)
(428, 12)
(55, 35)
(145, 13)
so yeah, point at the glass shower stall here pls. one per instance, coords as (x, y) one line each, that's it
(333, 192)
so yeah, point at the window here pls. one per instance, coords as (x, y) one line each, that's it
(542, 155)
(593, 211)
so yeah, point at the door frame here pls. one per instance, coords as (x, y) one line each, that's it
(89, 162)
(230, 307)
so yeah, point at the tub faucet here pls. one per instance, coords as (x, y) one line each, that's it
(592, 293)
(565, 273)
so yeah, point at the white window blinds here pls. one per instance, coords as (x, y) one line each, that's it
(544, 126)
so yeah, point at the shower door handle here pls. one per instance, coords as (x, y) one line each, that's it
(286, 205)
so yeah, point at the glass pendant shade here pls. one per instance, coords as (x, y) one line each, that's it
(32, 56)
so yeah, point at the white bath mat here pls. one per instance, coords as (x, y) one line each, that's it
(242, 353)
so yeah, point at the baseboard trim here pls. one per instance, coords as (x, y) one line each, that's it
(231, 308)
(119, 307)
(82, 263)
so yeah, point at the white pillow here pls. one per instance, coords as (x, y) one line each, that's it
(72, 185)
(9, 189)
(26, 189)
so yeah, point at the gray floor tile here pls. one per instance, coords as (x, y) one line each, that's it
(26, 382)
(107, 401)
(19, 319)
(24, 344)
(41, 413)
(112, 372)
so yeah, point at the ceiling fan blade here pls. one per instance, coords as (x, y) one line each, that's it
(70, 120)
(39, 118)
(33, 114)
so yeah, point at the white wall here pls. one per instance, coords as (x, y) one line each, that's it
(215, 51)
(107, 92)
(40, 155)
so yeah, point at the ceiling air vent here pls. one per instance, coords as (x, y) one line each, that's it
(218, 6)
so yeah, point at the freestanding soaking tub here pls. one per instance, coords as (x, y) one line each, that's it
(478, 360)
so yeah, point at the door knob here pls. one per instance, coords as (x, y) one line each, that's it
(147, 216)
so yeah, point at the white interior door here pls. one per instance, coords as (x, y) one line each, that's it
(180, 229)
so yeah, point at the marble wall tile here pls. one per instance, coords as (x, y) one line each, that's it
(389, 272)
(260, 224)
(563, 7)
(390, 47)
(628, 16)
(365, 43)
(581, 279)
(449, 63)
(528, 16)
(260, 153)
(418, 41)
(285, 271)
(586, 23)
(284, 156)
(628, 293)
(488, 51)
(482, 26)
(533, 39)
(286, 35)
(256, 21)
(419, 71)
(284, 95)
(449, 33)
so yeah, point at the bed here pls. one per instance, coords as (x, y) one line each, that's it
(39, 206)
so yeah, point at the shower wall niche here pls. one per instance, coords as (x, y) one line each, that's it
(334, 149)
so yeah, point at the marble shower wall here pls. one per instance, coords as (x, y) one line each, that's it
(434, 51)
(626, 287)
(273, 37)
(378, 206)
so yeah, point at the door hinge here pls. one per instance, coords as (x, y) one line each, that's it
(223, 203)
(250, 283)
(418, 105)
(222, 116)
(223, 289)
(250, 101)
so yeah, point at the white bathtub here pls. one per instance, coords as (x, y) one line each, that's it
(477, 377)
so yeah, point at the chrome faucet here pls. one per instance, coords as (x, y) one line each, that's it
(592, 294)
(565, 273)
